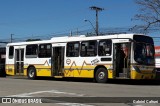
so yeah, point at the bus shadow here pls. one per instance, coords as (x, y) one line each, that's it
(87, 80)
(111, 81)
(53, 79)
(135, 82)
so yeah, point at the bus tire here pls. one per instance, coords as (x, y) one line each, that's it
(101, 75)
(31, 73)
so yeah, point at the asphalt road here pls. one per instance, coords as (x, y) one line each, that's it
(78, 92)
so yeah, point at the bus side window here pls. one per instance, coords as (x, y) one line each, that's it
(31, 51)
(72, 49)
(44, 50)
(100, 51)
(83, 50)
(104, 48)
(88, 48)
(11, 52)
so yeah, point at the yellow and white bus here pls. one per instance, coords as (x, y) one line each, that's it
(118, 56)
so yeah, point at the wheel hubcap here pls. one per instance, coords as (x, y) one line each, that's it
(101, 75)
(31, 74)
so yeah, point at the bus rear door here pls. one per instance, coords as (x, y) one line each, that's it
(57, 61)
(19, 61)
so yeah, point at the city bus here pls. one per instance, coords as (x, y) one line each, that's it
(117, 56)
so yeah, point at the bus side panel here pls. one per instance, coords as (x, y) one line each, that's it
(68, 72)
(10, 69)
(110, 71)
(43, 71)
(78, 67)
(9, 65)
(25, 70)
(84, 67)
(42, 66)
(86, 72)
(142, 73)
(40, 70)
(77, 72)
(136, 75)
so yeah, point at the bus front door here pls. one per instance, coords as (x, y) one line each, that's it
(58, 61)
(19, 61)
(121, 59)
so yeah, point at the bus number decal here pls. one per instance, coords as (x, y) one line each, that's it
(93, 62)
(68, 61)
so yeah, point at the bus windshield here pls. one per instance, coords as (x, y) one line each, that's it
(144, 50)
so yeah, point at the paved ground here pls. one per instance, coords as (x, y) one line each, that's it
(76, 90)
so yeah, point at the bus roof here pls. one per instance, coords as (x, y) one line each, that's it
(74, 38)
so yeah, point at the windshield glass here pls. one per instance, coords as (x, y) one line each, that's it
(144, 50)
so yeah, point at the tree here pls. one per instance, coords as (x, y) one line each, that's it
(149, 14)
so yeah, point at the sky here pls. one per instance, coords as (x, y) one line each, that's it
(45, 18)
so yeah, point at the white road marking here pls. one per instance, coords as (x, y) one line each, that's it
(56, 92)
(137, 105)
(39, 92)
(73, 104)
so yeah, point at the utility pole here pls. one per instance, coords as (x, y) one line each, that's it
(70, 33)
(91, 25)
(12, 37)
(97, 9)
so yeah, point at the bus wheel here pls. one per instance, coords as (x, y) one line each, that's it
(101, 75)
(32, 73)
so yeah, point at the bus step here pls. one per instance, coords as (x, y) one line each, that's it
(123, 75)
(58, 76)
(122, 78)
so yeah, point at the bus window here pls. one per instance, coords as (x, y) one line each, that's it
(44, 50)
(88, 48)
(104, 48)
(72, 49)
(11, 52)
(144, 53)
(31, 51)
